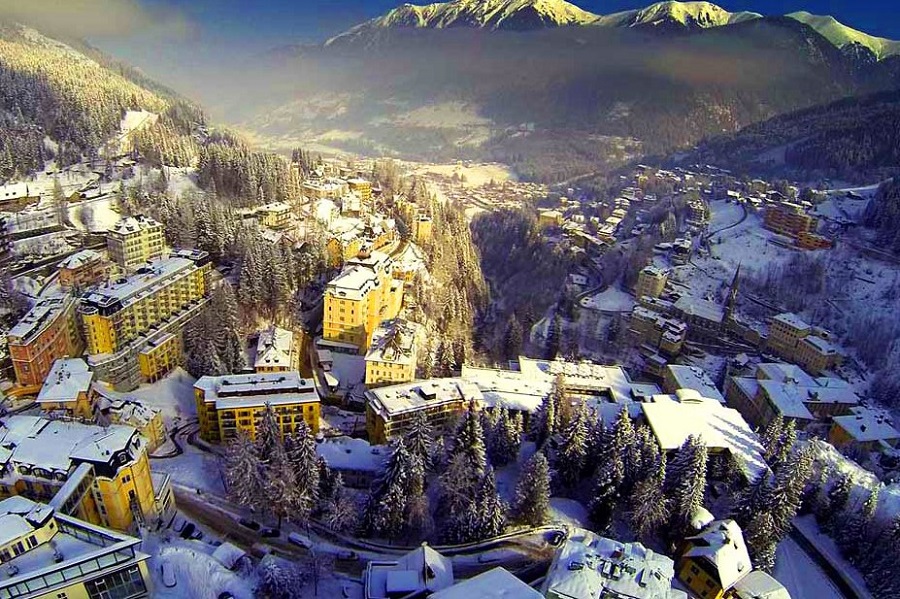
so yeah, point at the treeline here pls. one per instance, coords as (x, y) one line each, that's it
(526, 274)
(855, 139)
(883, 214)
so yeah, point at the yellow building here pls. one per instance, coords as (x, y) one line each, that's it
(422, 229)
(135, 240)
(550, 218)
(796, 341)
(342, 247)
(100, 474)
(390, 410)
(651, 282)
(785, 332)
(147, 420)
(48, 555)
(228, 404)
(865, 429)
(161, 355)
(67, 389)
(362, 188)
(715, 560)
(324, 189)
(115, 315)
(359, 299)
(391, 358)
(275, 216)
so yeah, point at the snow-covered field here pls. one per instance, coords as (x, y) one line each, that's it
(95, 216)
(611, 300)
(475, 175)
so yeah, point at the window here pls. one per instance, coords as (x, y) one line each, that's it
(118, 585)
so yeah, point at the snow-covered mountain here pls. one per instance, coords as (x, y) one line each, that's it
(843, 36)
(482, 14)
(689, 15)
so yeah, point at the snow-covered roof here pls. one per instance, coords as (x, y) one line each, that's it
(394, 341)
(493, 584)
(792, 320)
(510, 389)
(866, 424)
(146, 280)
(67, 379)
(588, 566)
(674, 419)
(759, 585)
(275, 207)
(347, 453)
(41, 315)
(787, 399)
(784, 372)
(228, 555)
(79, 259)
(722, 545)
(134, 224)
(581, 377)
(700, 308)
(693, 377)
(273, 350)
(821, 345)
(408, 397)
(422, 569)
(55, 445)
(13, 191)
(258, 389)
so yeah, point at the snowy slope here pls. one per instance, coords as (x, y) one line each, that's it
(841, 35)
(478, 14)
(691, 15)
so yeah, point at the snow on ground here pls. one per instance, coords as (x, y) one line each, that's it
(475, 175)
(350, 369)
(195, 573)
(49, 244)
(95, 216)
(611, 300)
(172, 395)
(724, 213)
(181, 180)
(802, 577)
(336, 421)
(827, 547)
(569, 511)
(194, 468)
(29, 219)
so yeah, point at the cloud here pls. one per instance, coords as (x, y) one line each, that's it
(94, 18)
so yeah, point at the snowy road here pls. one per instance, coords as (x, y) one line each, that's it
(802, 577)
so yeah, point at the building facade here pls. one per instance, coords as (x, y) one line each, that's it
(68, 389)
(359, 299)
(229, 404)
(651, 282)
(82, 269)
(134, 241)
(48, 332)
(392, 357)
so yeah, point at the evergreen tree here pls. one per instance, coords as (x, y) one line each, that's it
(545, 420)
(283, 496)
(838, 497)
(243, 472)
(532, 499)
(752, 500)
(512, 340)
(784, 446)
(488, 508)
(856, 531)
(762, 540)
(505, 441)
(572, 452)
(606, 493)
(771, 437)
(387, 510)
(420, 438)
(686, 485)
(301, 454)
(469, 441)
(268, 433)
(649, 507)
(625, 448)
(340, 512)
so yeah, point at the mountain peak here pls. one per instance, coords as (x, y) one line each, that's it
(478, 14)
(690, 15)
(845, 36)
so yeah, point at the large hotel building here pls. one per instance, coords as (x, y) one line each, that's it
(135, 323)
(48, 332)
(359, 299)
(134, 241)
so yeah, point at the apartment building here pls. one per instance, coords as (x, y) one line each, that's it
(791, 220)
(714, 561)
(275, 216)
(651, 282)
(82, 269)
(324, 189)
(362, 188)
(792, 339)
(98, 474)
(390, 410)
(657, 331)
(356, 301)
(133, 325)
(422, 229)
(135, 240)
(48, 332)
(228, 404)
(393, 354)
(48, 555)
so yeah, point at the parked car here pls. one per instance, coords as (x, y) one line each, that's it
(300, 540)
(347, 555)
(187, 531)
(270, 533)
(249, 524)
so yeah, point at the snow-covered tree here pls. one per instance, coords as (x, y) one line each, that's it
(387, 509)
(243, 473)
(532, 500)
(572, 453)
(488, 509)
(771, 437)
(545, 420)
(340, 513)
(268, 433)
(838, 497)
(762, 540)
(855, 533)
(283, 496)
(279, 579)
(686, 484)
(505, 440)
(301, 453)
(469, 441)
(624, 447)
(649, 506)
(420, 438)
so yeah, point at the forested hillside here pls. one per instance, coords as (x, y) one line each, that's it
(855, 139)
(883, 215)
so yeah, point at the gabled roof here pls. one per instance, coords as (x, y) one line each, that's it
(721, 543)
(493, 584)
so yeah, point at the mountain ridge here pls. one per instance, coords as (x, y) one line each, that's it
(669, 15)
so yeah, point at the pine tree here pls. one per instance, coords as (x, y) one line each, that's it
(762, 540)
(855, 532)
(572, 452)
(301, 454)
(283, 496)
(532, 499)
(771, 437)
(790, 480)
(420, 438)
(505, 441)
(268, 433)
(838, 497)
(649, 506)
(686, 484)
(488, 510)
(243, 472)
(545, 420)
(512, 340)
(403, 479)
(624, 446)
(606, 494)
(784, 446)
(340, 512)
(469, 441)
(752, 500)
